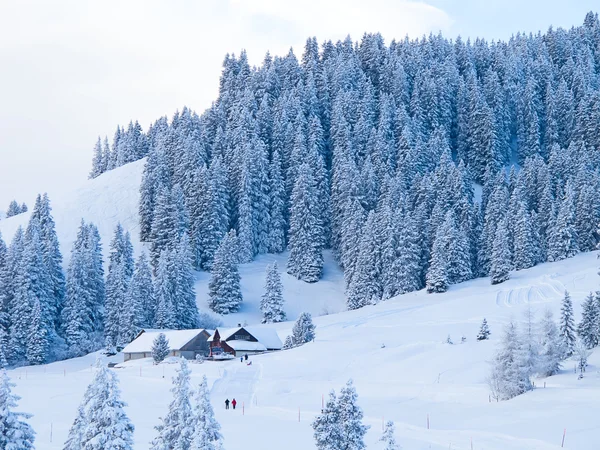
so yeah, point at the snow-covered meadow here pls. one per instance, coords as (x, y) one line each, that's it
(414, 378)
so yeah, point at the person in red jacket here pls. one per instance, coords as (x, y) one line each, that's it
(233, 403)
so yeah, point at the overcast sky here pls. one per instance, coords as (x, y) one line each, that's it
(73, 69)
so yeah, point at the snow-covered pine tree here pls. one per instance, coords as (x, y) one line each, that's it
(365, 287)
(176, 430)
(164, 291)
(530, 350)
(77, 430)
(160, 348)
(484, 331)
(303, 330)
(37, 340)
(306, 229)
(51, 255)
(563, 240)
(581, 353)
(437, 275)
(97, 160)
(225, 294)
(327, 426)
(13, 209)
(141, 293)
(186, 309)
(388, 437)
(18, 309)
(15, 434)
(551, 352)
(500, 264)
(510, 375)
(352, 428)
(82, 323)
(207, 431)
(587, 329)
(165, 225)
(567, 326)
(106, 423)
(271, 303)
(3, 349)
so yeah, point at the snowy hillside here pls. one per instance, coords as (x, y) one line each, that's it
(414, 376)
(113, 197)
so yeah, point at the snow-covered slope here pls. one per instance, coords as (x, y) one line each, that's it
(415, 376)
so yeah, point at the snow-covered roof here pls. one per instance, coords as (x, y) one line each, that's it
(247, 346)
(177, 339)
(268, 337)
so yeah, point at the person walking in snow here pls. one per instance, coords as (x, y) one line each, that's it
(233, 403)
(241, 359)
(227, 404)
(246, 356)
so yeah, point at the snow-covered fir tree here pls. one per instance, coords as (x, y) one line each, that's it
(164, 316)
(500, 264)
(327, 426)
(567, 326)
(587, 329)
(306, 229)
(225, 294)
(351, 416)
(82, 315)
(160, 348)
(551, 346)
(510, 374)
(107, 424)
(207, 431)
(388, 437)
(484, 331)
(271, 304)
(13, 209)
(581, 353)
(140, 304)
(176, 430)
(16, 434)
(303, 330)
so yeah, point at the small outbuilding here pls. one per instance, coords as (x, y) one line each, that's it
(243, 341)
(183, 343)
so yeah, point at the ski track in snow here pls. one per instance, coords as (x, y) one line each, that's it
(543, 290)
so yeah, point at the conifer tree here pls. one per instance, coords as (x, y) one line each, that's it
(510, 374)
(15, 434)
(351, 415)
(164, 316)
(303, 330)
(306, 231)
(97, 160)
(388, 437)
(186, 309)
(177, 426)
(141, 293)
(207, 434)
(271, 304)
(13, 209)
(501, 258)
(567, 326)
(225, 295)
(563, 240)
(588, 327)
(551, 351)
(106, 423)
(160, 348)
(327, 426)
(437, 274)
(484, 331)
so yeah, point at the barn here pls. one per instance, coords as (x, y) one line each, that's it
(183, 343)
(243, 341)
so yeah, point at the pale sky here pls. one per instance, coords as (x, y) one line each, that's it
(73, 69)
